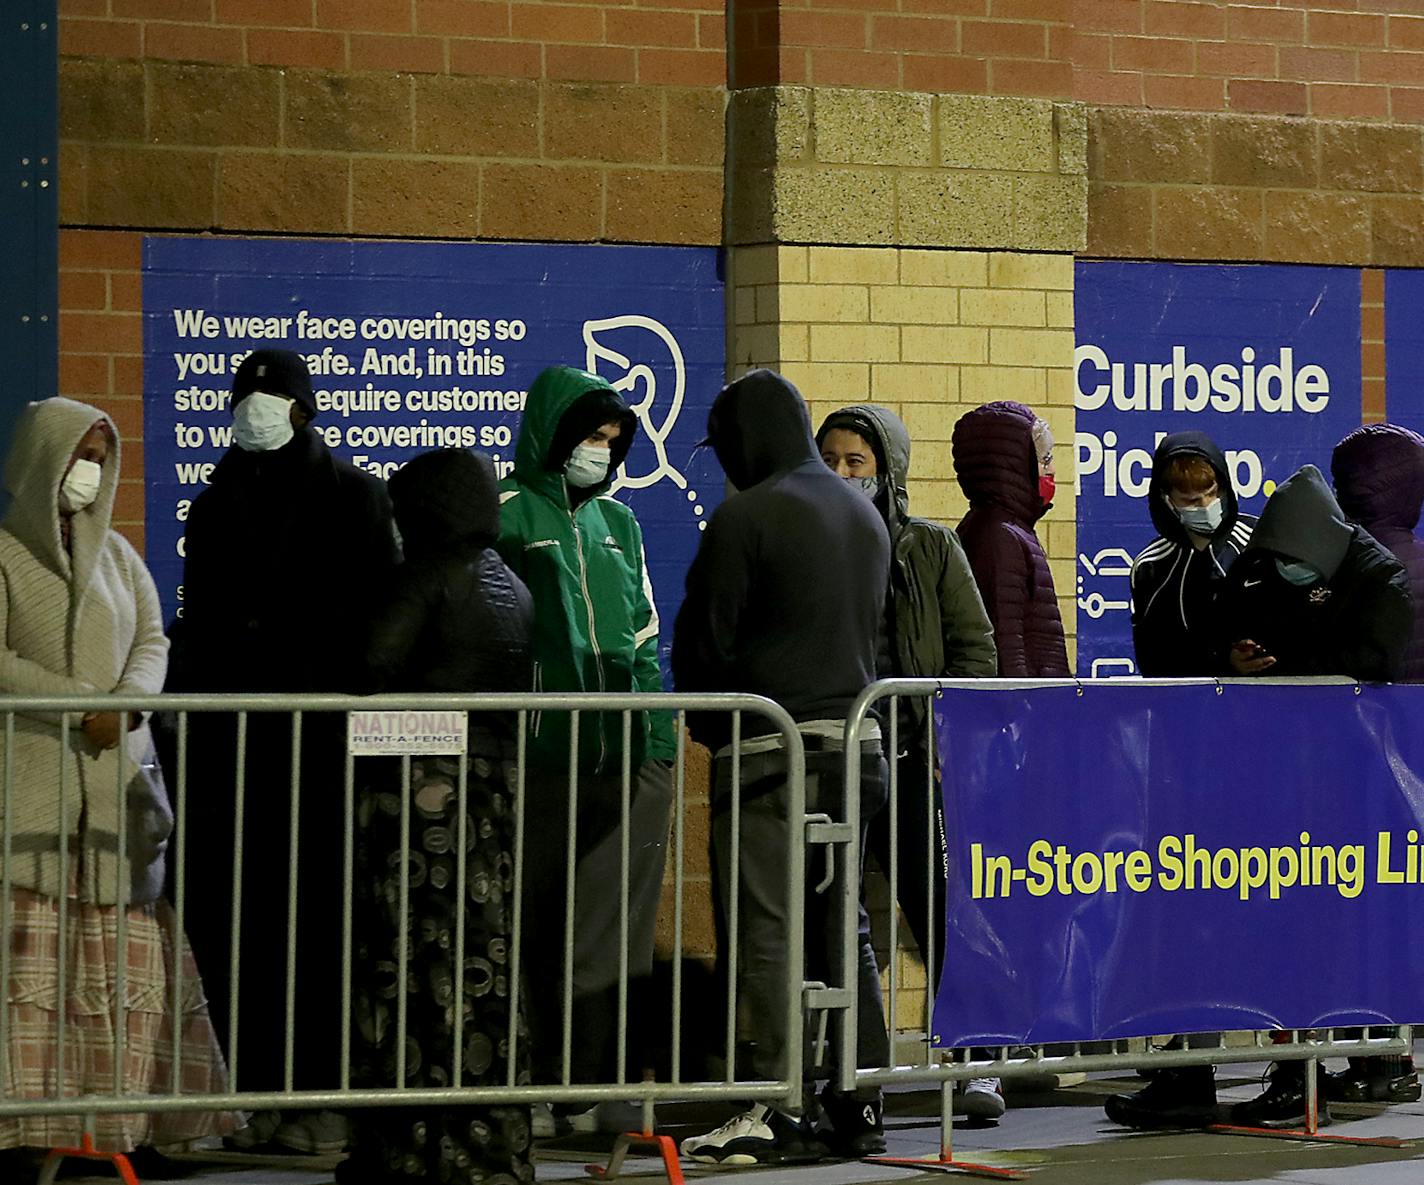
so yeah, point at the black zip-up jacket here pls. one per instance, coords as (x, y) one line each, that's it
(457, 619)
(786, 597)
(1174, 584)
(1355, 620)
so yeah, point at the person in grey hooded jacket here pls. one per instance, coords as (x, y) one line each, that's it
(937, 627)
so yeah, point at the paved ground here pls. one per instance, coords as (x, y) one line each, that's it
(1060, 1139)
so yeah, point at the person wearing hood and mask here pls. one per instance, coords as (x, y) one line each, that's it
(287, 552)
(1003, 457)
(1176, 577)
(1312, 595)
(936, 628)
(81, 617)
(595, 629)
(786, 599)
(458, 621)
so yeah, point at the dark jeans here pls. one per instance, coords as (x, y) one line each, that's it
(920, 872)
(764, 922)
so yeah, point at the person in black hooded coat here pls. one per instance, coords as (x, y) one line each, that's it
(457, 621)
(1176, 578)
(786, 599)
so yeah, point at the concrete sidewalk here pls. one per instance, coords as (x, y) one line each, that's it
(1061, 1138)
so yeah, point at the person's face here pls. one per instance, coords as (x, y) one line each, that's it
(93, 446)
(1188, 499)
(1045, 463)
(604, 437)
(848, 454)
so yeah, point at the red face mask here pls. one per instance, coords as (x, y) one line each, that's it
(1046, 488)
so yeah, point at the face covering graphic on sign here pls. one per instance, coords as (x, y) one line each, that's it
(419, 346)
(1265, 359)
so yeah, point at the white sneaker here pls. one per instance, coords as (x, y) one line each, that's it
(542, 1124)
(759, 1135)
(983, 1099)
(314, 1133)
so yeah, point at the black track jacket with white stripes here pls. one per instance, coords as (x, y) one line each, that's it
(1174, 584)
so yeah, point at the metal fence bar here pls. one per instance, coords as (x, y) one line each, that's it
(678, 884)
(289, 1050)
(235, 933)
(570, 874)
(403, 926)
(934, 856)
(625, 812)
(180, 893)
(734, 901)
(62, 947)
(121, 915)
(7, 931)
(348, 879)
(517, 929)
(457, 989)
(892, 874)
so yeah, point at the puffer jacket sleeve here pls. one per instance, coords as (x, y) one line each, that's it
(1385, 619)
(1005, 578)
(969, 650)
(396, 626)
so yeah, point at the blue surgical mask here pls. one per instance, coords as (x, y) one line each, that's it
(869, 486)
(587, 466)
(1301, 575)
(1200, 520)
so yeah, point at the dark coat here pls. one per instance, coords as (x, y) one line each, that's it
(1175, 584)
(457, 619)
(997, 465)
(937, 621)
(786, 597)
(1354, 621)
(1379, 480)
(287, 553)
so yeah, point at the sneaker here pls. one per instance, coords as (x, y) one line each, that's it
(1184, 1097)
(544, 1125)
(759, 1135)
(256, 1133)
(613, 1117)
(314, 1133)
(856, 1126)
(1361, 1086)
(1281, 1104)
(982, 1100)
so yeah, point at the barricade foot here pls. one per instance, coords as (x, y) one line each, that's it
(1272, 1133)
(86, 1151)
(665, 1145)
(949, 1165)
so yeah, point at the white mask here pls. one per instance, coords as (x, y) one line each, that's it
(263, 422)
(587, 466)
(80, 486)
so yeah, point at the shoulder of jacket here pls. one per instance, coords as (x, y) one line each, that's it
(1159, 549)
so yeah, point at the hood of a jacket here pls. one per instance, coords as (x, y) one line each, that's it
(759, 426)
(1188, 444)
(1379, 476)
(1302, 521)
(996, 460)
(555, 391)
(445, 497)
(45, 439)
(885, 430)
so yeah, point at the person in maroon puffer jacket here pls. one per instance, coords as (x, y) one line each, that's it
(1378, 472)
(1003, 456)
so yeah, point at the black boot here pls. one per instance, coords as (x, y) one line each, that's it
(1183, 1096)
(1282, 1103)
(1373, 1080)
(857, 1124)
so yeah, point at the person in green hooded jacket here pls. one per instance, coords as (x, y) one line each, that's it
(580, 553)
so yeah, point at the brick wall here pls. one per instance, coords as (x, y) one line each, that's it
(1340, 59)
(929, 334)
(101, 348)
(664, 41)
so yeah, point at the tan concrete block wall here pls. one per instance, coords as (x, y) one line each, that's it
(930, 334)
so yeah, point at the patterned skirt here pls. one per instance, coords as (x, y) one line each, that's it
(448, 1145)
(31, 1067)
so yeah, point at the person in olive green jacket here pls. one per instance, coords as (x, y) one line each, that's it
(580, 553)
(938, 628)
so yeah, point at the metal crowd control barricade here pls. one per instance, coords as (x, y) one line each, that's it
(934, 1068)
(124, 1097)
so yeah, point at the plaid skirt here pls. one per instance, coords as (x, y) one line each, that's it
(31, 1067)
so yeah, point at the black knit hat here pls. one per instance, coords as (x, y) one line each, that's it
(275, 372)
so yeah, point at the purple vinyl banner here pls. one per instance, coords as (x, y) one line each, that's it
(1136, 859)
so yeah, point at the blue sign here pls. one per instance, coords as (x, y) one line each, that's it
(1404, 347)
(1265, 359)
(414, 346)
(1138, 860)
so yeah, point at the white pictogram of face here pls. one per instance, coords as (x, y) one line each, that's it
(638, 383)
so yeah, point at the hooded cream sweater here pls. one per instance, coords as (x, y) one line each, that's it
(76, 621)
